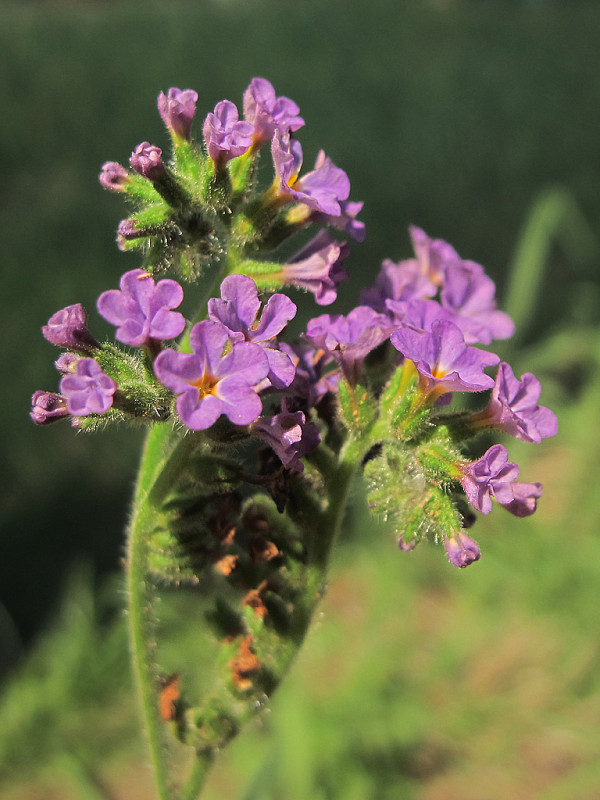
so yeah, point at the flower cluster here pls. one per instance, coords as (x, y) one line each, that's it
(376, 382)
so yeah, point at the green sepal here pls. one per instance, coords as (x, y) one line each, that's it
(148, 222)
(396, 484)
(141, 189)
(242, 170)
(139, 393)
(124, 367)
(358, 410)
(400, 403)
(261, 226)
(218, 189)
(266, 274)
(439, 463)
(440, 456)
(444, 518)
(189, 162)
(398, 391)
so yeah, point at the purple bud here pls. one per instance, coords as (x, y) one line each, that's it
(47, 407)
(127, 230)
(114, 177)
(177, 110)
(67, 328)
(67, 362)
(147, 161)
(462, 550)
(406, 546)
(88, 390)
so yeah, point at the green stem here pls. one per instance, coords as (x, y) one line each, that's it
(141, 630)
(162, 451)
(198, 776)
(339, 483)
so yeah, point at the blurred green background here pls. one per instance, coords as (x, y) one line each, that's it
(479, 121)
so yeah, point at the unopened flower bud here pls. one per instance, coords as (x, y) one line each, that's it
(68, 328)
(462, 550)
(47, 407)
(67, 363)
(114, 177)
(147, 161)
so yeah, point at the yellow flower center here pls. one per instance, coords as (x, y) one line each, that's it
(205, 385)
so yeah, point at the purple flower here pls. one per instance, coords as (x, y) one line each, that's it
(47, 407)
(322, 189)
(141, 308)
(114, 177)
(444, 361)
(525, 500)
(513, 408)
(349, 339)
(434, 256)
(461, 550)
(317, 268)
(469, 294)
(266, 112)
(398, 283)
(67, 362)
(177, 110)
(344, 221)
(88, 390)
(310, 384)
(238, 309)
(147, 161)
(210, 384)
(68, 328)
(289, 435)
(417, 314)
(225, 135)
(492, 475)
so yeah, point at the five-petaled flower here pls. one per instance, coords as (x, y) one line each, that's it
(267, 113)
(209, 382)
(513, 408)
(87, 390)
(323, 189)
(143, 309)
(238, 311)
(444, 361)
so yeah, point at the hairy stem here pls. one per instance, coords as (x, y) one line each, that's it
(197, 777)
(162, 449)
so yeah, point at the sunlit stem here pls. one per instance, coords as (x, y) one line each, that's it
(162, 458)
